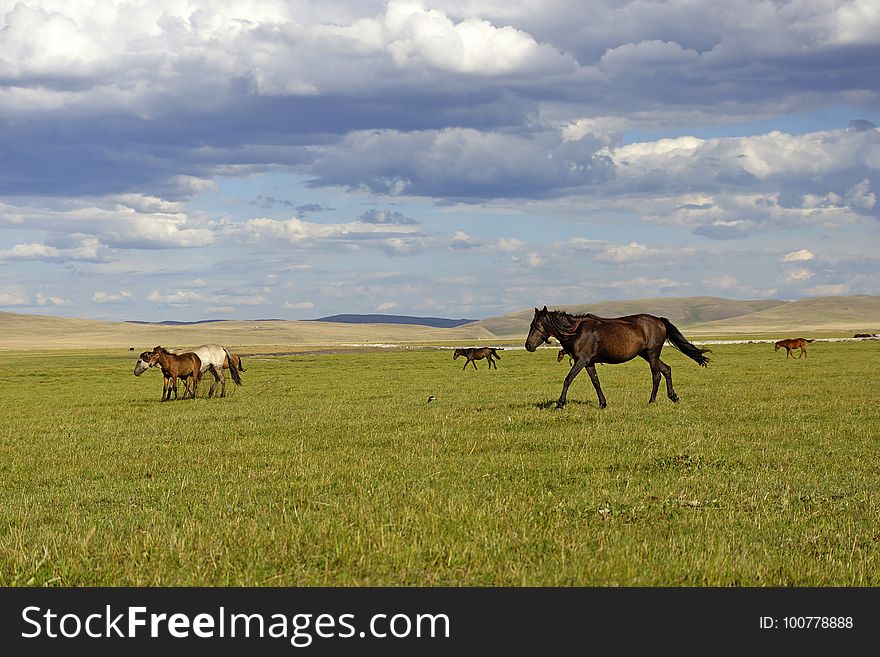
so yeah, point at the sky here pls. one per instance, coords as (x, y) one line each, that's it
(244, 159)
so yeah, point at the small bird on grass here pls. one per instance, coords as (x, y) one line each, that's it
(431, 398)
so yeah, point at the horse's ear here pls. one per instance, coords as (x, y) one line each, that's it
(545, 309)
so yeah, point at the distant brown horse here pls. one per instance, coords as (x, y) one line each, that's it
(174, 366)
(589, 339)
(477, 353)
(793, 343)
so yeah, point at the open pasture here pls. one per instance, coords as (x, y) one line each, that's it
(335, 470)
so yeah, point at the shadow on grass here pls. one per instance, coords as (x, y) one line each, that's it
(551, 403)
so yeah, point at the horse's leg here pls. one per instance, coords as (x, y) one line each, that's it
(173, 386)
(219, 370)
(594, 377)
(575, 370)
(466, 364)
(654, 363)
(213, 383)
(166, 381)
(666, 371)
(474, 363)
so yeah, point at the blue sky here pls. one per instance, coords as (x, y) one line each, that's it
(190, 159)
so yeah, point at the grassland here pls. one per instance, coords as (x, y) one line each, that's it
(334, 470)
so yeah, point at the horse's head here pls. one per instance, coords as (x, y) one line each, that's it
(776, 347)
(538, 332)
(456, 354)
(143, 363)
(154, 355)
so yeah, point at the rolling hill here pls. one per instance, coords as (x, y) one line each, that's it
(27, 332)
(682, 312)
(700, 316)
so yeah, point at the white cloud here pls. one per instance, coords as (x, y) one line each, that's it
(472, 46)
(387, 305)
(796, 275)
(299, 305)
(13, 295)
(120, 296)
(801, 255)
(859, 196)
(44, 300)
(461, 240)
(510, 244)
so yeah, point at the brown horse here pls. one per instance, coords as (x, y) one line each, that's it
(589, 339)
(235, 359)
(173, 366)
(477, 353)
(792, 343)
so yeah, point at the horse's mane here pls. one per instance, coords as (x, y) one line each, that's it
(564, 324)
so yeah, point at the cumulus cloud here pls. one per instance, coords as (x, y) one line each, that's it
(386, 217)
(120, 296)
(13, 295)
(192, 297)
(796, 274)
(472, 46)
(461, 240)
(802, 255)
(44, 300)
(84, 250)
(97, 229)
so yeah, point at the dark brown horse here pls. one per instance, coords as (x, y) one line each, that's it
(477, 353)
(173, 366)
(589, 339)
(793, 343)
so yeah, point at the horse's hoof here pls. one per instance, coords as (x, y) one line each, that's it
(674, 399)
(603, 405)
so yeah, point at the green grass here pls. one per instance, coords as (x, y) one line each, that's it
(333, 470)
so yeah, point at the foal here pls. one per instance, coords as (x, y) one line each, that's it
(176, 365)
(790, 344)
(477, 353)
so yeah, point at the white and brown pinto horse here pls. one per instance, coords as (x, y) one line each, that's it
(213, 357)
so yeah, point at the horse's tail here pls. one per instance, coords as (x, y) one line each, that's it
(233, 370)
(496, 354)
(240, 364)
(813, 340)
(677, 340)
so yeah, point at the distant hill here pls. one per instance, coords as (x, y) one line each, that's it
(436, 322)
(682, 312)
(699, 316)
(853, 314)
(24, 332)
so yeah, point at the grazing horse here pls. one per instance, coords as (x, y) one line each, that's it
(214, 358)
(789, 344)
(589, 339)
(477, 353)
(174, 366)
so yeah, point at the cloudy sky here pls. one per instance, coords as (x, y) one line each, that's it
(189, 159)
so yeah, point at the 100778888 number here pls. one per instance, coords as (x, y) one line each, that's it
(817, 622)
